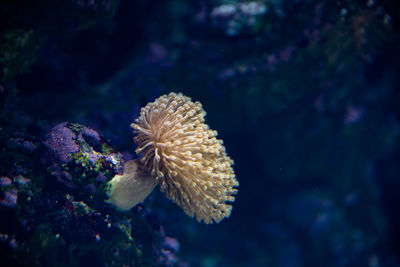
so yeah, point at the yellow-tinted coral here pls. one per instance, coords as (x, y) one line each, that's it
(190, 164)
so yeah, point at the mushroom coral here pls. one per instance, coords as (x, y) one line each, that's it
(180, 153)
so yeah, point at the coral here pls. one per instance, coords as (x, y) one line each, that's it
(189, 163)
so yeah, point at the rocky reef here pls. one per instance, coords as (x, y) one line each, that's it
(52, 202)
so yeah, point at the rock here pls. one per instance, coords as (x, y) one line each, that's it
(81, 160)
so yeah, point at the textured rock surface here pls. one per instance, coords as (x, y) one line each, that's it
(81, 160)
(53, 211)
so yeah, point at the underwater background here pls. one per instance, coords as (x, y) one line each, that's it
(304, 94)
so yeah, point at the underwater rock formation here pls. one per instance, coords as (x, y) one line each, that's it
(80, 159)
(53, 211)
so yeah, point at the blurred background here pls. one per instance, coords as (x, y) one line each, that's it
(305, 95)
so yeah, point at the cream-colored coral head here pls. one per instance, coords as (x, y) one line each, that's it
(190, 164)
